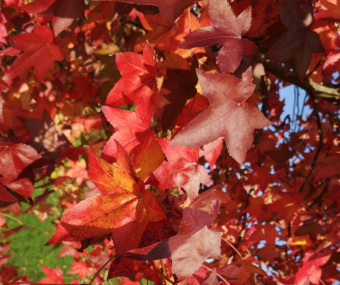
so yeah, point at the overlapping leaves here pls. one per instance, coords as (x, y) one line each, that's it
(123, 209)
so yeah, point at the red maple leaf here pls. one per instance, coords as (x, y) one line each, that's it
(241, 271)
(297, 42)
(22, 186)
(13, 159)
(82, 269)
(228, 115)
(211, 152)
(181, 170)
(177, 88)
(4, 195)
(39, 52)
(61, 12)
(311, 271)
(328, 11)
(260, 176)
(132, 131)
(126, 207)
(3, 30)
(194, 241)
(138, 80)
(161, 35)
(170, 9)
(53, 276)
(83, 88)
(227, 31)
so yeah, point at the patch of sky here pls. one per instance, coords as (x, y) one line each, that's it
(295, 99)
(335, 77)
(261, 244)
(279, 242)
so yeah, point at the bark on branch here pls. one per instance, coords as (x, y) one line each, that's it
(332, 95)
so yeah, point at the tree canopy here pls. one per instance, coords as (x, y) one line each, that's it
(153, 138)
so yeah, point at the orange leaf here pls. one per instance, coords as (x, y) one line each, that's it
(110, 179)
(123, 210)
(96, 216)
(151, 158)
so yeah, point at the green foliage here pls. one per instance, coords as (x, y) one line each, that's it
(28, 251)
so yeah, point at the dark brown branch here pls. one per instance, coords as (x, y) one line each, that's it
(323, 192)
(314, 90)
(244, 221)
(121, 30)
(320, 132)
(315, 67)
(286, 246)
(264, 109)
(330, 94)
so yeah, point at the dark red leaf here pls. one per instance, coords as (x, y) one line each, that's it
(63, 12)
(227, 31)
(39, 52)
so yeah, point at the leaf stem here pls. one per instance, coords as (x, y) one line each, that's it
(189, 16)
(101, 268)
(8, 216)
(233, 247)
(158, 270)
(165, 276)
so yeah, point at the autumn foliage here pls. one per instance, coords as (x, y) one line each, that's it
(160, 128)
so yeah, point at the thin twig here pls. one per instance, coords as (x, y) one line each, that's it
(314, 188)
(8, 216)
(324, 190)
(315, 67)
(303, 107)
(101, 268)
(233, 247)
(286, 247)
(121, 30)
(158, 270)
(164, 272)
(189, 16)
(167, 279)
(264, 108)
(293, 124)
(318, 121)
(243, 217)
(189, 20)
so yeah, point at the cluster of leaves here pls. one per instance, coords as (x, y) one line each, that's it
(140, 116)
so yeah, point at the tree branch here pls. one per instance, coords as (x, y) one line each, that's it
(330, 94)
(318, 150)
(264, 108)
(324, 190)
